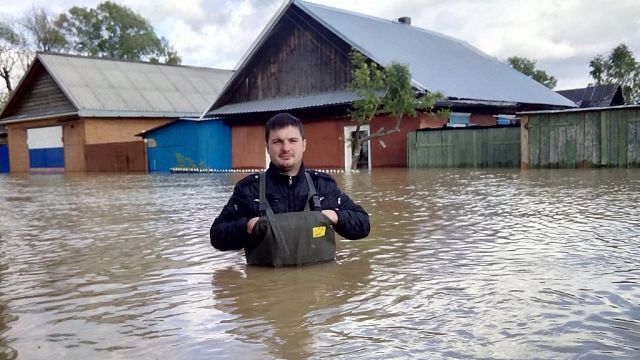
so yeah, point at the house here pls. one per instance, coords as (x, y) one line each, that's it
(73, 113)
(595, 96)
(188, 143)
(300, 64)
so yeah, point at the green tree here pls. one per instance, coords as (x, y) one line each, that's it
(528, 67)
(382, 91)
(42, 31)
(112, 30)
(14, 57)
(620, 67)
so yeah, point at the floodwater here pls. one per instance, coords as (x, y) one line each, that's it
(460, 264)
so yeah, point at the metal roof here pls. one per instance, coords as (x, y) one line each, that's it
(437, 62)
(116, 88)
(287, 103)
(325, 99)
(595, 96)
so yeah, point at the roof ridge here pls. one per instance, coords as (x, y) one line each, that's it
(105, 58)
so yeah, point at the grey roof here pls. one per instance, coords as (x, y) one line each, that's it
(321, 100)
(116, 88)
(437, 62)
(287, 103)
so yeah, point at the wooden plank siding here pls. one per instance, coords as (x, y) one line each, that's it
(573, 139)
(44, 98)
(299, 58)
(483, 147)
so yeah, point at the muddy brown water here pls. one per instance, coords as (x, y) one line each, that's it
(463, 263)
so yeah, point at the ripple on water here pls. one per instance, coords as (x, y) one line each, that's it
(460, 263)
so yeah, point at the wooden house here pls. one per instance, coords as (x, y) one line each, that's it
(300, 64)
(73, 113)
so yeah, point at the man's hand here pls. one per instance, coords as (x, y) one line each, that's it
(251, 223)
(332, 215)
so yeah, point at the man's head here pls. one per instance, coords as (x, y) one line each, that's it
(285, 142)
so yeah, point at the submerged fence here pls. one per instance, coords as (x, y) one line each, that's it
(604, 137)
(464, 147)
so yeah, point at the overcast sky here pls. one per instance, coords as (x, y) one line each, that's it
(562, 35)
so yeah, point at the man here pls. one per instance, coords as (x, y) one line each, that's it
(287, 191)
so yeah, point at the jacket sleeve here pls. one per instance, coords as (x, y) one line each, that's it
(353, 220)
(229, 229)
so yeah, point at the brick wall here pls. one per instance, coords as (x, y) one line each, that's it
(104, 131)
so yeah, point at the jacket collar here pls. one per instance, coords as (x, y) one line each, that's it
(274, 174)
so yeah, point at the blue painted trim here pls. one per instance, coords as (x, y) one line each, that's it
(4, 159)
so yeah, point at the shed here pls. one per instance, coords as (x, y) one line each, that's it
(300, 63)
(188, 142)
(75, 113)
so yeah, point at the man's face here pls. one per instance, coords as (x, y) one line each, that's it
(285, 147)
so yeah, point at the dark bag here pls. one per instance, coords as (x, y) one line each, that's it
(294, 238)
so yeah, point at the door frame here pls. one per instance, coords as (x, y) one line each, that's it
(347, 146)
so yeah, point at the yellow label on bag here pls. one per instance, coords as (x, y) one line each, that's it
(319, 231)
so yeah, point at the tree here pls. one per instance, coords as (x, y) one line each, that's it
(42, 30)
(14, 58)
(380, 91)
(620, 67)
(528, 67)
(112, 30)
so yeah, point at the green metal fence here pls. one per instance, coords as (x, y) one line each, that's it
(581, 138)
(464, 147)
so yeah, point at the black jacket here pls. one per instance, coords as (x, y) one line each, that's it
(284, 194)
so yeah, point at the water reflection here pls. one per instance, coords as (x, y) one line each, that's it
(283, 309)
(460, 263)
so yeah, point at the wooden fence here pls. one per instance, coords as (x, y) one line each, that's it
(464, 147)
(604, 137)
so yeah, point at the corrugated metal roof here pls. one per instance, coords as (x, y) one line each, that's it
(105, 88)
(437, 62)
(324, 99)
(287, 103)
(595, 96)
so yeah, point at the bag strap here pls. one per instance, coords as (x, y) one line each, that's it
(312, 194)
(265, 209)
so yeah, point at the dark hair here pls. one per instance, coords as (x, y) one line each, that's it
(281, 121)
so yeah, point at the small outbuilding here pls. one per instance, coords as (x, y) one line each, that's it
(188, 143)
(73, 113)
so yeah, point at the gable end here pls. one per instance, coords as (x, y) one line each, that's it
(299, 57)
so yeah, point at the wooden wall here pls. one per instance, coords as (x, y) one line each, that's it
(44, 97)
(298, 58)
(570, 139)
(464, 147)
